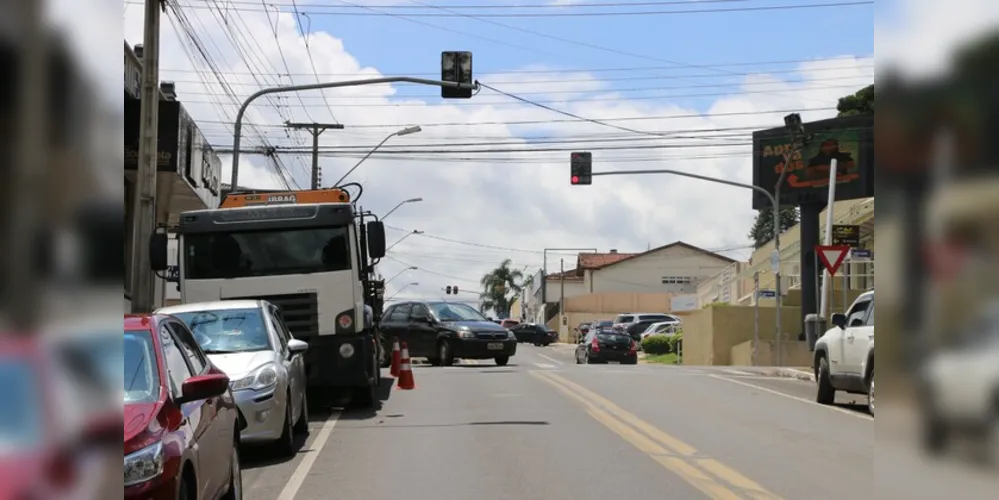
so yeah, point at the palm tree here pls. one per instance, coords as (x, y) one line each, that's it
(499, 286)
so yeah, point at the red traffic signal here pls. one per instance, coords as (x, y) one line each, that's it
(581, 168)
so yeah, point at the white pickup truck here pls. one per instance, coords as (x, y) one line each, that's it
(844, 355)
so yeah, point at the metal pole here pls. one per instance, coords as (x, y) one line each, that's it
(238, 127)
(143, 283)
(827, 240)
(758, 189)
(544, 276)
(371, 152)
(561, 296)
(756, 318)
(316, 129)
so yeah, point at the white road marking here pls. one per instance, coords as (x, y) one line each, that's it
(553, 360)
(796, 398)
(544, 365)
(295, 482)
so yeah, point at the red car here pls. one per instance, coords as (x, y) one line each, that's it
(181, 423)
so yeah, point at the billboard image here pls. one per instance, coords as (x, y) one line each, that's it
(847, 140)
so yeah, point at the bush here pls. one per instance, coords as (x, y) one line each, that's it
(656, 345)
(675, 342)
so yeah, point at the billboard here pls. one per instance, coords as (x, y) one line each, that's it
(850, 140)
(169, 134)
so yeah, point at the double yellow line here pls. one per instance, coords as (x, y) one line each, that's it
(708, 475)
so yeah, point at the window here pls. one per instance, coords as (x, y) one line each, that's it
(624, 319)
(279, 329)
(419, 311)
(141, 378)
(194, 356)
(677, 280)
(400, 313)
(654, 317)
(228, 330)
(266, 253)
(870, 316)
(176, 362)
(857, 312)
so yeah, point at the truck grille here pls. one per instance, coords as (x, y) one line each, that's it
(300, 312)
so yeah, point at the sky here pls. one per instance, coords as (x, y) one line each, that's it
(688, 80)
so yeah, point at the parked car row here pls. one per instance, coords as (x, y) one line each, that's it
(637, 325)
(199, 381)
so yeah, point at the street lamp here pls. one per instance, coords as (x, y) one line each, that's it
(407, 235)
(407, 285)
(411, 268)
(405, 131)
(401, 203)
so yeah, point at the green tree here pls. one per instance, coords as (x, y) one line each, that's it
(499, 287)
(860, 103)
(763, 228)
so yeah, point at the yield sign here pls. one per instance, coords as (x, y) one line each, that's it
(832, 256)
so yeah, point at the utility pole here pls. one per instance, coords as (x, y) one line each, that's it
(561, 295)
(143, 284)
(316, 129)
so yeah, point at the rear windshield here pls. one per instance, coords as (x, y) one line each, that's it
(654, 317)
(613, 336)
(603, 324)
(624, 319)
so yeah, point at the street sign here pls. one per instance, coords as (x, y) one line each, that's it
(846, 235)
(832, 256)
(861, 254)
(766, 294)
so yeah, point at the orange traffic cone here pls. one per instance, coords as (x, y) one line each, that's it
(396, 358)
(406, 381)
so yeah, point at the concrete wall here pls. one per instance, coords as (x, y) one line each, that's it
(710, 334)
(795, 354)
(573, 288)
(614, 303)
(646, 274)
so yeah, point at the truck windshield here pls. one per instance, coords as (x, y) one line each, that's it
(266, 253)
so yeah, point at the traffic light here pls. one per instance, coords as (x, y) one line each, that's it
(455, 289)
(456, 67)
(448, 290)
(451, 290)
(581, 168)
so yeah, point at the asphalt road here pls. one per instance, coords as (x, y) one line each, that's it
(544, 428)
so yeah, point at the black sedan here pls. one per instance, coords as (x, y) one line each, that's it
(603, 345)
(539, 335)
(445, 331)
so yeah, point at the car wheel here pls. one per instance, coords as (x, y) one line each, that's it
(579, 360)
(184, 492)
(870, 394)
(302, 425)
(444, 351)
(235, 474)
(502, 360)
(286, 443)
(825, 393)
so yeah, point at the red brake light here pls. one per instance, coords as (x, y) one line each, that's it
(595, 345)
(634, 348)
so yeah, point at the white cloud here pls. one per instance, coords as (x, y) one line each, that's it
(514, 199)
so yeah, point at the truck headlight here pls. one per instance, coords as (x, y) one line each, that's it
(346, 350)
(144, 465)
(263, 377)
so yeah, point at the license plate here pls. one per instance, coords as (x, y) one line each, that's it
(495, 346)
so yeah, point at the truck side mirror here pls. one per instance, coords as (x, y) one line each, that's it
(376, 239)
(158, 251)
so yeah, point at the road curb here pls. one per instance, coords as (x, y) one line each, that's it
(795, 373)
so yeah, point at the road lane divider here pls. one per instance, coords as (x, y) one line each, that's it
(714, 479)
(309, 459)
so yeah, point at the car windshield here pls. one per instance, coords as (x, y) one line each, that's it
(141, 375)
(603, 324)
(449, 311)
(229, 330)
(266, 252)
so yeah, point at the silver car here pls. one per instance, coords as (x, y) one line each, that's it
(248, 340)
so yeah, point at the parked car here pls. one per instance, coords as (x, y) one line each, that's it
(581, 330)
(661, 328)
(182, 424)
(629, 319)
(602, 345)
(532, 333)
(444, 331)
(844, 355)
(250, 342)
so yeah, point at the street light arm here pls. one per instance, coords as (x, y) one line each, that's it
(401, 203)
(238, 127)
(358, 164)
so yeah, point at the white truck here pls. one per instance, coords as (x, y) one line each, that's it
(844, 355)
(312, 255)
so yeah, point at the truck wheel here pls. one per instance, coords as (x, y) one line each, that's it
(502, 360)
(365, 397)
(825, 393)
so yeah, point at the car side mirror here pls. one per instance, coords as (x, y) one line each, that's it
(838, 320)
(376, 239)
(297, 346)
(203, 387)
(158, 251)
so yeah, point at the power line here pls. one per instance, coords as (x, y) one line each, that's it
(606, 13)
(496, 6)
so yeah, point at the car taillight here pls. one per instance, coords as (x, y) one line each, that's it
(595, 346)
(634, 348)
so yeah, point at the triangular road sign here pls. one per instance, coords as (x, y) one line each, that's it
(832, 256)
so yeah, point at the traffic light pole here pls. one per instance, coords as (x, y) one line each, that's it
(238, 128)
(764, 192)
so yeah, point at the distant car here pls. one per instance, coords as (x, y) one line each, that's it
(602, 345)
(539, 335)
(250, 342)
(661, 328)
(182, 424)
(627, 320)
(444, 331)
